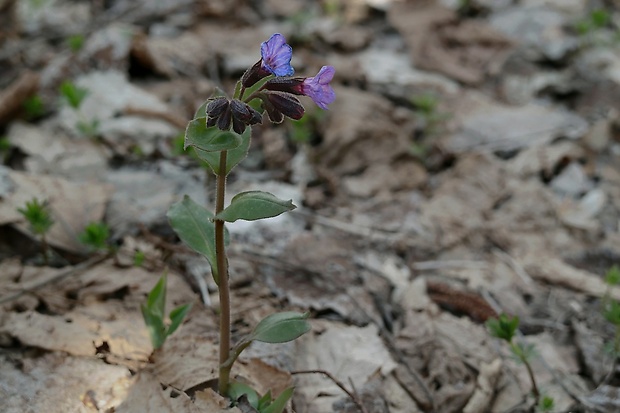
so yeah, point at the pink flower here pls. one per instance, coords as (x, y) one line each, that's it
(318, 88)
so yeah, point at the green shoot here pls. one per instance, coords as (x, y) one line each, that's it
(40, 220)
(153, 313)
(88, 128)
(612, 277)
(262, 404)
(95, 236)
(138, 258)
(505, 327)
(611, 312)
(34, 107)
(38, 216)
(596, 20)
(75, 42)
(546, 404)
(5, 147)
(73, 94)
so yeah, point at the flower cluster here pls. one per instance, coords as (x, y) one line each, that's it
(277, 93)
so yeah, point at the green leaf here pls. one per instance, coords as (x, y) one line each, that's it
(236, 390)
(155, 325)
(73, 95)
(210, 139)
(156, 300)
(253, 205)
(281, 327)
(176, 317)
(193, 224)
(611, 312)
(503, 327)
(201, 112)
(233, 156)
(264, 401)
(279, 404)
(612, 277)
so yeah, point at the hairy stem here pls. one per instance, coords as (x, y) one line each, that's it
(222, 270)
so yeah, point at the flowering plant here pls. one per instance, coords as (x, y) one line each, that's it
(220, 135)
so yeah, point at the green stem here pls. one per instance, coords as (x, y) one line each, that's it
(523, 357)
(222, 270)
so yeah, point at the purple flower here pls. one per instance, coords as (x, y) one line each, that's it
(318, 88)
(276, 55)
(275, 60)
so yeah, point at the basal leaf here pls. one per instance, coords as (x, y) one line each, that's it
(253, 205)
(156, 300)
(155, 325)
(279, 404)
(176, 317)
(236, 390)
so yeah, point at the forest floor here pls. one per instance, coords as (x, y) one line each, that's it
(470, 166)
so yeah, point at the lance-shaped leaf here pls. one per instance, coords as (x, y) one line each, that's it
(279, 404)
(155, 325)
(209, 139)
(194, 225)
(156, 300)
(233, 156)
(253, 205)
(280, 327)
(176, 317)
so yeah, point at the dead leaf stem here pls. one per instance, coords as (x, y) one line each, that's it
(57, 277)
(352, 394)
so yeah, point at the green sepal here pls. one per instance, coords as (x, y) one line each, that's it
(209, 139)
(253, 205)
(280, 327)
(233, 156)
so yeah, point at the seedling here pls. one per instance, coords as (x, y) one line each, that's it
(611, 312)
(75, 42)
(138, 258)
(596, 20)
(220, 134)
(153, 312)
(73, 94)
(426, 106)
(546, 404)
(505, 328)
(34, 107)
(5, 147)
(40, 220)
(95, 236)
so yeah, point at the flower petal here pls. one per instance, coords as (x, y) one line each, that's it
(276, 55)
